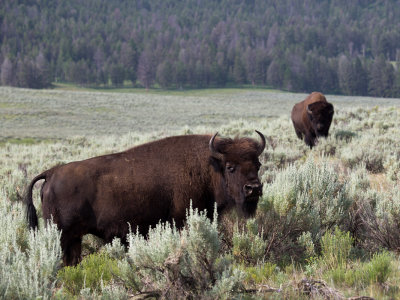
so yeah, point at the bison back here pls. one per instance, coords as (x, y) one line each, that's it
(141, 186)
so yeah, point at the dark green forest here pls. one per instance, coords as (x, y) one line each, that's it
(333, 46)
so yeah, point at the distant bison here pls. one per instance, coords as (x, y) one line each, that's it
(146, 184)
(312, 118)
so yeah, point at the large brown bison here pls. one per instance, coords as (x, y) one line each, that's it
(147, 184)
(312, 118)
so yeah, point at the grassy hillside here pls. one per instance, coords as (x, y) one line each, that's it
(327, 225)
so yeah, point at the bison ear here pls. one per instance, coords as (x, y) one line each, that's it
(214, 152)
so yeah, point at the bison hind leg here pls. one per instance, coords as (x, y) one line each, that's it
(72, 247)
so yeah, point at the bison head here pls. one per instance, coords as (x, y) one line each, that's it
(237, 161)
(320, 115)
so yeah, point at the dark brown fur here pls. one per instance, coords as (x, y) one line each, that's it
(147, 184)
(312, 118)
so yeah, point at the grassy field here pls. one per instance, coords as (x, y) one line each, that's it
(61, 113)
(327, 225)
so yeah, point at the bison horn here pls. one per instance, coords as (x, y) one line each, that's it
(262, 145)
(308, 110)
(214, 152)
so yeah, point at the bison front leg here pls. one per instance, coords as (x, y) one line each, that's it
(310, 140)
(71, 247)
(299, 134)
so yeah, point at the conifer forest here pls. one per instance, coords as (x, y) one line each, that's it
(337, 46)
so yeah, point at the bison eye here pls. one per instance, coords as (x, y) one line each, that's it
(230, 168)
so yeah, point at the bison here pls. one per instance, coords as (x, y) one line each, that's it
(312, 118)
(147, 184)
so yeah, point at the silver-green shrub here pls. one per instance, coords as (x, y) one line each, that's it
(181, 264)
(389, 206)
(392, 165)
(115, 249)
(305, 240)
(368, 152)
(29, 260)
(309, 198)
(375, 138)
(380, 219)
(375, 215)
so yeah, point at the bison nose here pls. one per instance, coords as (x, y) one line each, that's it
(252, 189)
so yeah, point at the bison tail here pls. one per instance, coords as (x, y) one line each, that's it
(31, 210)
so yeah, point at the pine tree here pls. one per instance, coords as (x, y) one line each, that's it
(7, 73)
(396, 83)
(164, 72)
(26, 74)
(345, 75)
(381, 78)
(275, 74)
(79, 72)
(251, 65)
(44, 72)
(117, 75)
(146, 69)
(128, 58)
(360, 79)
(239, 72)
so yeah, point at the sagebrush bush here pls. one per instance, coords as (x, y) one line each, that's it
(115, 249)
(375, 140)
(392, 165)
(276, 159)
(345, 135)
(310, 198)
(29, 260)
(180, 264)
(107, 292)
(367, 152)
(305, 240)
(248, 245)
(379, 214)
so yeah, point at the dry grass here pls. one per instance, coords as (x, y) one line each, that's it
(380, 182)
(61, 113)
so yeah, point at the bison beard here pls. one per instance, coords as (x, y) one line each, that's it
(147, 184)
(312, 118)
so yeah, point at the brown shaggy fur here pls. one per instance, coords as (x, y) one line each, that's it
(315, 124)
(147, 184)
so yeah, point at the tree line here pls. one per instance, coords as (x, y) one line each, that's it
(333, 46)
